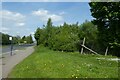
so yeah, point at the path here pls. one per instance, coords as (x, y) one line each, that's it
(8, 62)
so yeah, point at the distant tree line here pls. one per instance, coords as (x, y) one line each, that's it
(5, 39)
(26, 39)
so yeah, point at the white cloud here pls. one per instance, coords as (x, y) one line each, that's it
(5, 32)
(32, 33)
(40, 12)
(18, 32)
(62, 13)
(20, 24)
(45, 14)
(12, 18)
(5, 29)
(12, 22)
(12, 15)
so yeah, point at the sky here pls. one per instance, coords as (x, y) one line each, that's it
(23, 18)
(46, 0)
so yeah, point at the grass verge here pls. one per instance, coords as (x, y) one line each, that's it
(45, 63)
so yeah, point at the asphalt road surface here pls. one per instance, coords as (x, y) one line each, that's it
(8, 62)
(15, 47)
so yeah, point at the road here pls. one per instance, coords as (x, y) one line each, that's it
(15, 47)
(8, 62)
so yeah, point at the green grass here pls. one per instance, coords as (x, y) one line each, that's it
(45, 63)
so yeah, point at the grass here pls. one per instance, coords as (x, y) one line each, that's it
(45, 63)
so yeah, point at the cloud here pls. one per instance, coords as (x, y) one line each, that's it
(12, 22)
(11, 15)
(32, 33)
(62, 13)
(4, 29)
(20, 24)
(40, 12)
(12, 18)
(18, 32)
(45, 14)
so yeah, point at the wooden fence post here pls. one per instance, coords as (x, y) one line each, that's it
(82, 46)
(90, 49)
(106, 51)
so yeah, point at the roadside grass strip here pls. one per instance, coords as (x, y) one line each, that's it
(45, 63)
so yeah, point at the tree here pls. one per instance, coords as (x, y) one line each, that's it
(29, 39)
(48, 31)
(15, 40)
(66, 37)
(89, 31)
(63, 38)
(18, 39)
(23, 39)
(49, 25)
(5, 39)
(107, 19)
(37, 35)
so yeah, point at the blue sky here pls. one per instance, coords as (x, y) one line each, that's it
(23, 18)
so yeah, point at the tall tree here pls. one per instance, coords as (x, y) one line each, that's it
(29, 39)
(37, 35)
(48, 31)
(107, 19)
(5, 39)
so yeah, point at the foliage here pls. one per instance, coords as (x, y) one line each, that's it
(5, 39)
(48, 32)
(15, 39)
(67, 37)
(27, 39)
(89, 31)
(23, 39)
(107, 19)
(37, 35)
